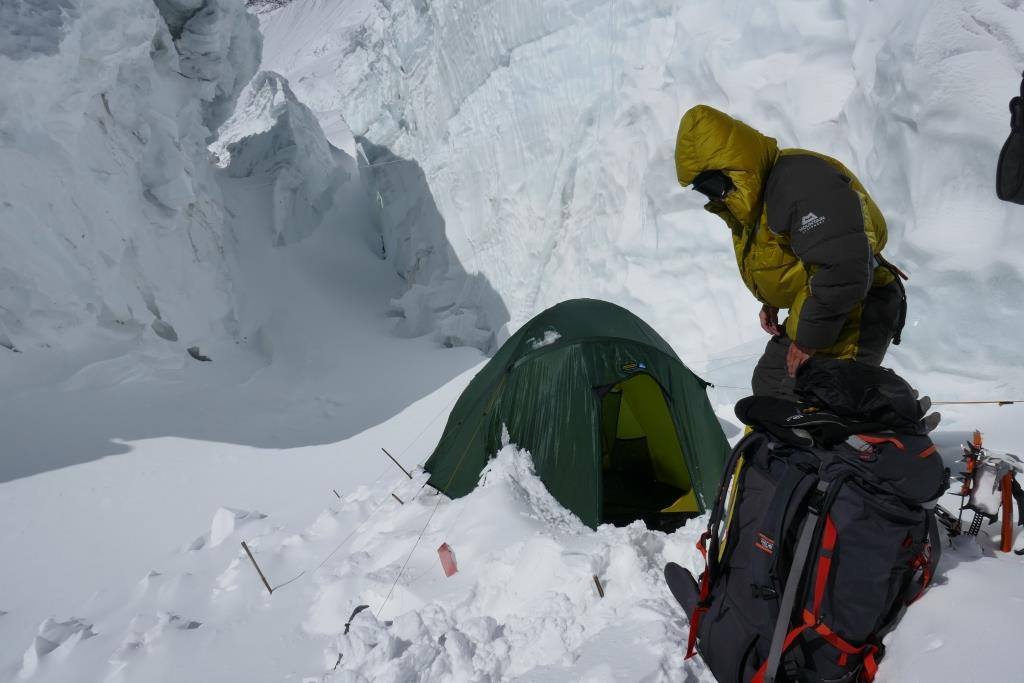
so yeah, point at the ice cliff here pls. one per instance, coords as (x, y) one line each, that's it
(545, 130)
(108, 204)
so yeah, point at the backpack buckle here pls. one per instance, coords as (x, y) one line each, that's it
(816, 501)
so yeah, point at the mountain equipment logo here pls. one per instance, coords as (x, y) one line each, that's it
(811, 221)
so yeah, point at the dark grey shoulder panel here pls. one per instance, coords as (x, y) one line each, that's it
(813, 202)
(803, 182)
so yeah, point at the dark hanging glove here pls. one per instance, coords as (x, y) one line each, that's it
(1010, 172)
(861, 392)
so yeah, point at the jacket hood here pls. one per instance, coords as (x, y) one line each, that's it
(711, 140)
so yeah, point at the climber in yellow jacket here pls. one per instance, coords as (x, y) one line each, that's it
(808, 239)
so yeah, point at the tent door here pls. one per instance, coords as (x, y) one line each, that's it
(644, 473)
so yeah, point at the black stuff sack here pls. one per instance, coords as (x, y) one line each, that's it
(1010, 171)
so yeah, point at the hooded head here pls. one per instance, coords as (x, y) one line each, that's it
(709, 140)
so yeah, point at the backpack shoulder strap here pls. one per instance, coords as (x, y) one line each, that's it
(711, 552)
(790, 492)
(718, 510)
(796, 571)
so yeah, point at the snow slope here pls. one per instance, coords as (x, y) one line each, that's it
(190, 606)
(401, 178)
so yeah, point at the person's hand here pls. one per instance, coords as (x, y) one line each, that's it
(770, 320)
(796, 357)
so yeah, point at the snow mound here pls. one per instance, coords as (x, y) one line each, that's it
(511, 470)
(523, 603)
(226, 520)
(54, 636)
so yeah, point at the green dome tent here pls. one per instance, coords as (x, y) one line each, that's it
(618, 427)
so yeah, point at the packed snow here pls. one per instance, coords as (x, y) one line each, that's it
(345, 206)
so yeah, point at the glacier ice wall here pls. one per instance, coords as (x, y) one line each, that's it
(545, 132)
(322, 177)
(219, 49)
(290, 151)
(108, 205)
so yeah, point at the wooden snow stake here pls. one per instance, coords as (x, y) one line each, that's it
(600, 588)
(448, 562)
(258, 570)
(396, 463)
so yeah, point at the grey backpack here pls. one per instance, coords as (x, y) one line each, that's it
(813, 554)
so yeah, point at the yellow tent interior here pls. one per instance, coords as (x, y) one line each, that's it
(644, 473)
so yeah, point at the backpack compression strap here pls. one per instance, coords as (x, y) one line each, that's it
(927, 564)
(1010, 171)
(1018, 495)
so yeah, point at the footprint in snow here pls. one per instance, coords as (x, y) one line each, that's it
(146, 582)
(144, 630)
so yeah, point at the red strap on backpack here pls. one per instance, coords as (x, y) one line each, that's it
(922, 562)
(812, 621)
(702, 546)
(867, 651)
(828, 544)
(705, 592)
(790, 637)
(867, 438)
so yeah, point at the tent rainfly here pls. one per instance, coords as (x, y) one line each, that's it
(619, 428)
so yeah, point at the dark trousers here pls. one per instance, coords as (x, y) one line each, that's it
(878, 322)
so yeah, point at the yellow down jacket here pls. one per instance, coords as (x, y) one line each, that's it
(709, 139)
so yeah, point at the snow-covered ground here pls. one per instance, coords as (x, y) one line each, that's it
(401, 185)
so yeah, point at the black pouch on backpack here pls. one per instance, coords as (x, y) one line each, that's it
(1010, 171)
